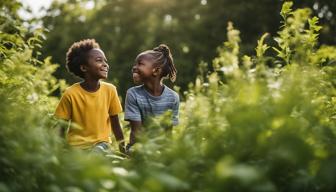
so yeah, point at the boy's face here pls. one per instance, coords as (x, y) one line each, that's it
(96, 67)
(143, 68)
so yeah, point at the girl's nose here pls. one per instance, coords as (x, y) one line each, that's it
(106, 65)
(134, 68)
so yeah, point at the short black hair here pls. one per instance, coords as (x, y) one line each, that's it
(77, 55)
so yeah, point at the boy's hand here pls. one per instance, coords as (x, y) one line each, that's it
(118, 133)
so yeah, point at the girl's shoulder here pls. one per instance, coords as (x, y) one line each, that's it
(170, 92)
(136, 90)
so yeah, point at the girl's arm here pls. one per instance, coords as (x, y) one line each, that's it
(135, 129)
(118, 134)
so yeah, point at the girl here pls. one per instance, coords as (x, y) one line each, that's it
(151, 97)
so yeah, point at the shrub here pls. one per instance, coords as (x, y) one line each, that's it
(254, 123)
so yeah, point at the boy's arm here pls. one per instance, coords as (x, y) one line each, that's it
(62, 132)
(118, 134)
(62, 126)
(63, 114)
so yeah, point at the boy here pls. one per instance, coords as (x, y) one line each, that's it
(93, 105)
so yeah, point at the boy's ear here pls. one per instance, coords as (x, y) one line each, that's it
(83, 68)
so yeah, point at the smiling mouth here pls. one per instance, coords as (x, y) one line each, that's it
(136, 78)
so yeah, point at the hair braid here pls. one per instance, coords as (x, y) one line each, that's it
(167, 61)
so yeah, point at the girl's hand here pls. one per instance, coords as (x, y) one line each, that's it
(128, 148)
(122, 148)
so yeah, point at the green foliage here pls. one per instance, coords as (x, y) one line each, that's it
(32, 156)
(248, 127)
(193, 30)
(244, 126)
(125, 28)
(325, 10)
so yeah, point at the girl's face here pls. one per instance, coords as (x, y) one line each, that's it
(96, 67)
(143, 68)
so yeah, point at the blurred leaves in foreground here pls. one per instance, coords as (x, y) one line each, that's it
(256, 123)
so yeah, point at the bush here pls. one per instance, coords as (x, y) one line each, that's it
(254, 123)
(32, 156)
(249, 127)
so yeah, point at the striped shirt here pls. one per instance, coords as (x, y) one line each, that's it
(140, 104)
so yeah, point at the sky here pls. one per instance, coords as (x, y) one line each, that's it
(35, 6)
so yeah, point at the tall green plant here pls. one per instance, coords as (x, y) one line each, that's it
(32, 156)
(244, 126)
(248, 127)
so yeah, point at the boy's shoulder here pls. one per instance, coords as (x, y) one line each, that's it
(76, 89)
(108, 85)
(72, 89)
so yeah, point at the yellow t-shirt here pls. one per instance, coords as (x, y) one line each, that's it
(91, 111)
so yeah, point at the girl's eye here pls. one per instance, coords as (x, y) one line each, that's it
(101, 60)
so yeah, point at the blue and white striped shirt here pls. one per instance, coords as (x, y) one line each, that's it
(140, 104)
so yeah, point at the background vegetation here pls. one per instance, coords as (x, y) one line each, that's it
(258, 119)
(192, 28)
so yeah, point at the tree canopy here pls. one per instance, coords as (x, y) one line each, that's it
(252, 119)
(193, 29)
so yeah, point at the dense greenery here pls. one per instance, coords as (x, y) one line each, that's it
(253, 123)
(193, 29)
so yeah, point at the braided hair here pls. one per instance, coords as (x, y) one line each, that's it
(164, 58)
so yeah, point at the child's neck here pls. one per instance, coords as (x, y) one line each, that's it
(155, 88)
(90, 85)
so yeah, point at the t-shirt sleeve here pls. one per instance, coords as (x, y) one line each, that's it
(63, 109)
(176, 106)
(115, 105)
(132, 110)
